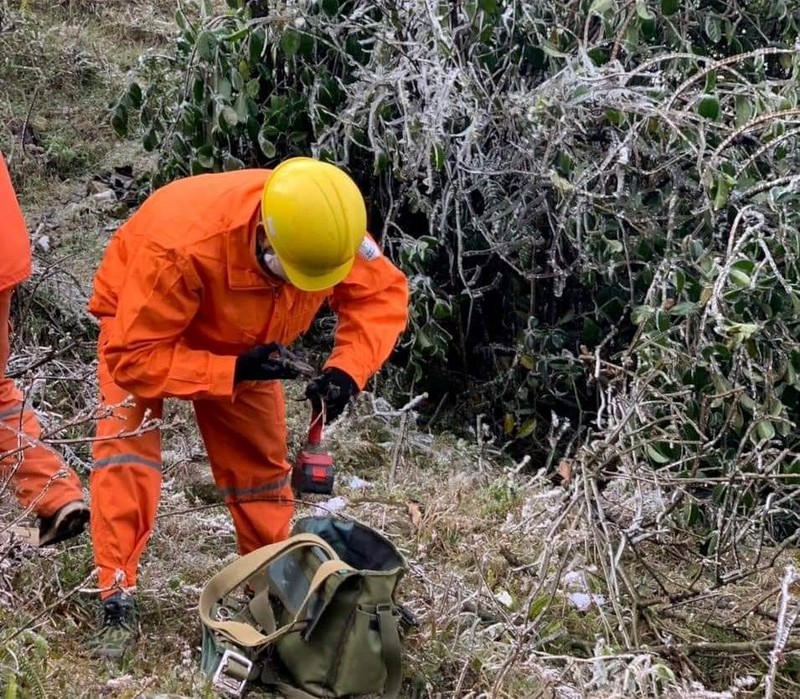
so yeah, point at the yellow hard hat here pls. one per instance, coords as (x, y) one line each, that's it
(315, 219)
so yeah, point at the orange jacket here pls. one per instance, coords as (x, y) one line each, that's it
(15, 260)
(185, 294)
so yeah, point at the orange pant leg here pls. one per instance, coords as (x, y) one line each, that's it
(38, 476)
(125, 482)
(246, 444)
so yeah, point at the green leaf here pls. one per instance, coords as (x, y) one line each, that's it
(656, 455)
(670, 7)
(228, 117)
(150, 140)
(119, 121)
(198, 88)
(717, 351)
(179, 145)
(713, 27)
(442, 309)
(258, 39)
(224, 88)
(680, 281)
(600, 7)
(551, 50)
(640, 314)
(649, 27)
(234, 37)
(237, 80)
(744, 110)
(231, 163)
(739, 278)
(205, 157)
(267, 146)
(721, 383)
(488, 6)
(252, 88)
(690, 512)
(422, 341)
(538, 606)
(643, 11)
(381, 162)
(183, 23)
(241, 107)
(765, 430)
(437, 157)
(711, 543)
(723, 191)
(290, 42)
(206, 46)
(742, 331)
(330, 7)
(709, 107)
(135, 95)
(685, 308)
(527, 428)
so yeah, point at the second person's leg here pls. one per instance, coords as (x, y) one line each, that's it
(41, 480)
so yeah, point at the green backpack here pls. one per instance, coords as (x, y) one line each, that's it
(319, 607)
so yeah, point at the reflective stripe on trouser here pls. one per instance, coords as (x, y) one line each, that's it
(246, 444)
(40, 478)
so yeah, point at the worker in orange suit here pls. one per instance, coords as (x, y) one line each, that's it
(41, 481)
(198, 295)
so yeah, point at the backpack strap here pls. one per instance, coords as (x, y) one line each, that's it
(234, 574)
(392, 651)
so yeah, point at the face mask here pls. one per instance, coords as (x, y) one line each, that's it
(272, 263)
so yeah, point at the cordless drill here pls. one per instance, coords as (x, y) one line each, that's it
(313, 469)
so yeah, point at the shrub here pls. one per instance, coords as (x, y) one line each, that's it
(592, 200)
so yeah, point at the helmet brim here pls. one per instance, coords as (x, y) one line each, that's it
(306, 282)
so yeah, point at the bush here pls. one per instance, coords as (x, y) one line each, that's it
(595, 202)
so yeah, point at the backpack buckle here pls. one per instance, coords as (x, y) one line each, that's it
(232, 673)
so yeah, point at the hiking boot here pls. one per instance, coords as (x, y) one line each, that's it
(66, 523)
(120, 629)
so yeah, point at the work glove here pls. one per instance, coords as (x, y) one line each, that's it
(270, 363)
(335, 389)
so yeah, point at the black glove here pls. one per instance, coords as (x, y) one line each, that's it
(335, 388)
(269, 363)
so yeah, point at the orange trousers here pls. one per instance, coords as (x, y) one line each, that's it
(37, 474)
(246, 444)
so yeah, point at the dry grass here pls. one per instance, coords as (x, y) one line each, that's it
(500, 564)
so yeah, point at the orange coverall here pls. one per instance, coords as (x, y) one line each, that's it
(180, 294)
(40, 479)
